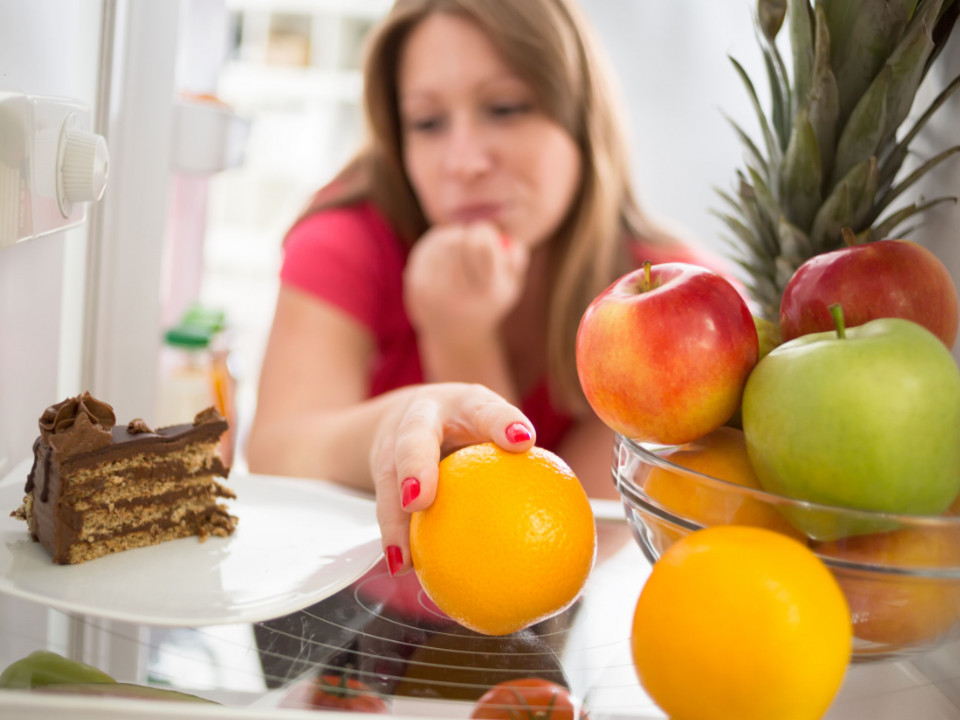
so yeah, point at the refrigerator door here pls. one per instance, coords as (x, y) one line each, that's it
(47, 48)
(79, 307)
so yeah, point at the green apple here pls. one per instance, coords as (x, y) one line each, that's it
(768, 335)
(865, 418)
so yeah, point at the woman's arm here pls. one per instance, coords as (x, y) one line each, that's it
(310, 419)
(313, 420)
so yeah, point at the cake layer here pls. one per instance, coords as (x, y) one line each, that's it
(101, 518)
(220, 524)
(154, 520)
(160, 493)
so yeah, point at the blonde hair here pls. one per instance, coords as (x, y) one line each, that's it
(549, 45)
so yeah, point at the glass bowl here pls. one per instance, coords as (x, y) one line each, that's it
(900, 573)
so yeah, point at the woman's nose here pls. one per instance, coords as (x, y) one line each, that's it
(468, 151)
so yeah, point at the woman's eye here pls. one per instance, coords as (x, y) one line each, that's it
(424, 124)
(506, 110)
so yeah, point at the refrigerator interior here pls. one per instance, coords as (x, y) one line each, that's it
(87, 309)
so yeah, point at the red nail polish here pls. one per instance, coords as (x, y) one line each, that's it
(518, 432)
(409, 491)
(394, 559)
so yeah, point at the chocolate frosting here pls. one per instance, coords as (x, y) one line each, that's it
(77, 425)
(137, 426)
(207, 415)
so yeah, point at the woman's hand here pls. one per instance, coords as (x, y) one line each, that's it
(410, 440)
(462, 280)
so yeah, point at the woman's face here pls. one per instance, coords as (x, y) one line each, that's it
(476, 145)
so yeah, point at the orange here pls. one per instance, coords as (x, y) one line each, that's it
(892, 607)
(741, 622)
(721, 454)
(509, 540)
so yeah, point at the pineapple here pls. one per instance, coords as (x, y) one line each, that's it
(833, 146)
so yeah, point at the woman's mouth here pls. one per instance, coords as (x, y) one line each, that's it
(477, 211)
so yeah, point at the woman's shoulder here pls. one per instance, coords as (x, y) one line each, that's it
(338, 244)
(347, 256)
(354, 223)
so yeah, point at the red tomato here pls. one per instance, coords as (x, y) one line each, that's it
(526, 699)
(342, 692)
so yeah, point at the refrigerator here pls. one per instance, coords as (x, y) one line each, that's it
(84, 299)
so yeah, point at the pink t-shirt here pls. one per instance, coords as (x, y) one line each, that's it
(351, 258)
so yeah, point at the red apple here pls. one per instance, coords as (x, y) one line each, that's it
(884, 278)
(664, 352)
(898, 608)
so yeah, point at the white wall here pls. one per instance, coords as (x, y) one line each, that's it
(672, 66)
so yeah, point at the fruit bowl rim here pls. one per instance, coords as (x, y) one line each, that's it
(630, 492)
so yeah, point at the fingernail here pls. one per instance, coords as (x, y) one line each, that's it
(409, 491)
(394, 559)
(505, 240)
(518, 432)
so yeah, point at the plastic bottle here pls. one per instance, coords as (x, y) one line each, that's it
(195, 373)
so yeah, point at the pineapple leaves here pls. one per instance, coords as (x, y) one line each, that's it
(745, 236)
(847, 206)
(801, 41)
(795, 248)
(887, 100)
(752, 206)
(752, 149)
(800, 175)
(884, 229)
(780, 100)
(770, 16)
(822, 100)
(891, 162)
(894, 192)
(941, 32)
(773, 149)
(864, 34)
(835, 137)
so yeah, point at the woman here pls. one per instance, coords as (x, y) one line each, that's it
(436, 285)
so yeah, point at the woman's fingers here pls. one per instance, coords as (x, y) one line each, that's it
(394, 523)
(432, 427)
(482, 415)
(437, 420)
(479, 250)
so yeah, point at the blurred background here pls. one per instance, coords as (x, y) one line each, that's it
(222, 117)
(291, 68)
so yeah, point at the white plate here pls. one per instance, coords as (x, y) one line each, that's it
(297, 542)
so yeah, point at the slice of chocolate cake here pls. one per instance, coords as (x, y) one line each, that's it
(96, 488)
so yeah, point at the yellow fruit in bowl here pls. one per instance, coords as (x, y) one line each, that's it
(722, 454)
(900, 603)
(741, 622)
(509, 540)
